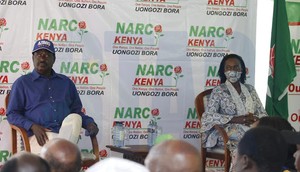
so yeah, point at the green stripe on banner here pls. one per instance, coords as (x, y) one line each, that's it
(292, 9)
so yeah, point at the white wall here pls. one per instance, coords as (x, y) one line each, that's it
(263, 38)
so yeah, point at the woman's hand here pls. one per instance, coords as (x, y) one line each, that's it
(245, 119)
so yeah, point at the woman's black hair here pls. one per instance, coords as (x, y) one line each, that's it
(222, 67)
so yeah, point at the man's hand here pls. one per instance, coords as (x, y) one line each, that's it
(40, 134)
(92, 129)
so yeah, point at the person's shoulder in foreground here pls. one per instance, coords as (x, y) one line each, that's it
(261, 149)
(25, 162)
(114, 164)
(175, 156)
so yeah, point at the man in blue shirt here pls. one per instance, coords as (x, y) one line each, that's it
(40, 102)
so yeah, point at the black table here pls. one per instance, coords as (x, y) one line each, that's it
(136, 153)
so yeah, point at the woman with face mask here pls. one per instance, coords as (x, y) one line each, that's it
(233, 105)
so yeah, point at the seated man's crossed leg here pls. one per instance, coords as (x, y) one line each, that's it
(70, 130)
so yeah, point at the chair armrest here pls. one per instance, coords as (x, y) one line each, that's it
(225, 137)
(89, 162)
(227, 153)
(222, 132)
(14, 130)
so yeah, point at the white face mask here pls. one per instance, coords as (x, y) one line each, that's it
(233, 76)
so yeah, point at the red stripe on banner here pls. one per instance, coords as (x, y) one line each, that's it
(294, 23)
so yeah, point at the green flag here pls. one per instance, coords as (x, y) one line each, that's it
(282, 68)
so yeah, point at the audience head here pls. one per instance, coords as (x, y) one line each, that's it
(113, 164)
(62, 155)
(222, 69)
(261, 149)
(297, 158)
(25, 162)
(275, 122)
(293, 137)
(280, 124)
(175, 156)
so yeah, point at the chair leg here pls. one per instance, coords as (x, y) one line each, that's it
(203, 159)
(14, 141)
(227, 162)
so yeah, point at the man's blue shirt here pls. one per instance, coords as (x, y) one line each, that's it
(35, 99)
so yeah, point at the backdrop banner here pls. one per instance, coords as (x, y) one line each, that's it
(131, 61)
(294, 88)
